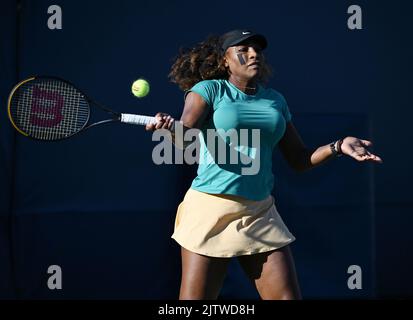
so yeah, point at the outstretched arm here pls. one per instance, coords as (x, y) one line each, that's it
(194, 114)
(300, 158)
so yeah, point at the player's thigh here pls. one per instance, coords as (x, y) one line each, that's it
(273, 273)
(202, 276)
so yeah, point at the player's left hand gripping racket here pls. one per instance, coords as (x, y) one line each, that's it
(47, 108)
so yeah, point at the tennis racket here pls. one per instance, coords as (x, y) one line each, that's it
(49, 108)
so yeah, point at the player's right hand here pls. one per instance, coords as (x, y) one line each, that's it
(164, 121)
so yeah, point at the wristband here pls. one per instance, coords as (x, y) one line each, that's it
(336, 151)
(339, 151)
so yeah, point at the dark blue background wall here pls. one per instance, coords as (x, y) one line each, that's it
(97, 206)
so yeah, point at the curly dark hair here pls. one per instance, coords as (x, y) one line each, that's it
(205, 62)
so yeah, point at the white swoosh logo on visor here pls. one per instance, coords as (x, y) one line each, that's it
(246, 32)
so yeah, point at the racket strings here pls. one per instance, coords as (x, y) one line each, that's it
(49, 109)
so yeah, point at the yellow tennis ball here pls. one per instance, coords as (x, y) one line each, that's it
(140, 88)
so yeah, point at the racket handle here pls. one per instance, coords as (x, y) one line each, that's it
(140, 120)
(137, 119)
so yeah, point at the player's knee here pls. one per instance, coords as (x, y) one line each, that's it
(188, 294)
(285, 294)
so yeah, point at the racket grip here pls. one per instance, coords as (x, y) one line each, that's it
(137, 119)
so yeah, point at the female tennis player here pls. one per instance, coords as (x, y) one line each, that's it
(225, 213)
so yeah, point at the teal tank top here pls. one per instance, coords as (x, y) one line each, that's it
(247, 127)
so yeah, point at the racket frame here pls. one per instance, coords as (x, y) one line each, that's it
(89, 101)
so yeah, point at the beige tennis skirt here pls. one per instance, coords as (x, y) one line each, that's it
(218, 225)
